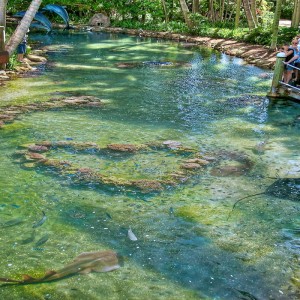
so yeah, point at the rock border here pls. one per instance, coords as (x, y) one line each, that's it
(9, 113)
(34, 155)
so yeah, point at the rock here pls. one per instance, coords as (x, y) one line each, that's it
(172, 144)
(6, 117)
(45, 143)
(224, 171)
(85, 170)
(4, 77)
(147, 185)
(36, 58)
(99, 20)
(123, 147)
(74, 101)
(34, 156)
(37, 148)
(197, 161)
(190, 166)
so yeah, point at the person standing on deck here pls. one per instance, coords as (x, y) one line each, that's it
(291, 56)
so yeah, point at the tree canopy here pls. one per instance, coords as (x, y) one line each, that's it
(254, 21)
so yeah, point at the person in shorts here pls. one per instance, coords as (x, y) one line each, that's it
(290, 53)
(21, 49)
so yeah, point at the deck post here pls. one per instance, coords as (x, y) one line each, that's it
(277, 76)
(2, 45)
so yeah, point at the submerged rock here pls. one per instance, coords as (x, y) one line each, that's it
(34, 156)
(124, 147)
(190, 166)
(147, 185)
(231, 163)
(172, 144)
(199, 161)
(38, 148)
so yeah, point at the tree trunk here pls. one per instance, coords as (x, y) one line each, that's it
(222, 9)
(253, 10)
(237, 14)
(185, 12)
(249, 15)
(22, 28)
(163, 2)
(296, 14)
(211, 11)
(276, 24)
(196, 6)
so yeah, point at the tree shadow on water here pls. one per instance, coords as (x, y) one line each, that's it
(171, 247)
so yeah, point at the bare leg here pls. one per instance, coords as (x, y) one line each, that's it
(20, 57)
(288, 76)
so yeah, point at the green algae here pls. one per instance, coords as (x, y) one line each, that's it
(187, 246)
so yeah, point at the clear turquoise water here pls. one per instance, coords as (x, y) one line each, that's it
(190, 244)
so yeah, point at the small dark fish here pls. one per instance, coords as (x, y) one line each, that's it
(41, 221)
(108, 215)
(246, 295)
(28, 239)
(42, 240)
(13, 222)
(171, 211)
(15, 205)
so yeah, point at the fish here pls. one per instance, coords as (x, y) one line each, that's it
(171, 211)
(41, 221)
(86, 262)
(246, 295)
(42, 240)
(12, 222)
(285, 188)
(131, 235)
(108, 215)
(29, 239)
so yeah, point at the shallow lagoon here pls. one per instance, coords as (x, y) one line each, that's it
(191, 245)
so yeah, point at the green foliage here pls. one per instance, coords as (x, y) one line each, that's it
(149, 15)
(286, 34)
(287, 10)
(13, 62)
(259, 35)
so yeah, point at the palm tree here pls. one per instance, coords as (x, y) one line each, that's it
(22, 28)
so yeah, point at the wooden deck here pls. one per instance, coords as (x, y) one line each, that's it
(289, 91)
(280, 89)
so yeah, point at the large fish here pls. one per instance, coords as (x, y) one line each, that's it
(86, 262)
(59, 10)
(285, 188)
